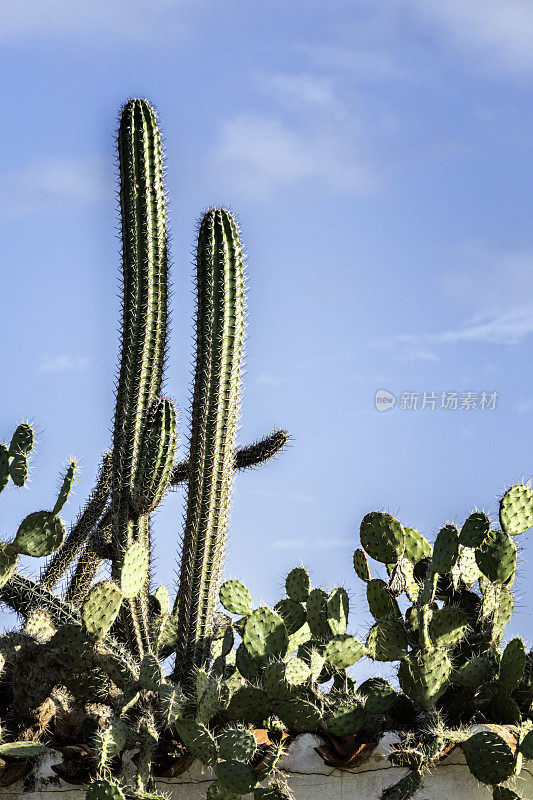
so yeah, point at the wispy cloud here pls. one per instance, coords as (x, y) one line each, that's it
(259, 154)
(501, 30)
(499, 282)
(300, 89)
(51, 182)
(63, 363)
(488, 277)
(362, 63)
(511, 328)
(99, 20)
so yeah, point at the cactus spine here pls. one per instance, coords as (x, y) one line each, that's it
(215, 409)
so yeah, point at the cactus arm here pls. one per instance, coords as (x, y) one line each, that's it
(22, 595)
(220, 329)
(245, 457)
(84, 575)
(144, 247)
(80, 531)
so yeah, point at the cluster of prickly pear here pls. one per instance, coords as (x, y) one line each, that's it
(447, 635)
(41, 532)
(283, 657)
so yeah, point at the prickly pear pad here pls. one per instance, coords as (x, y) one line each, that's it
(236, 743)
(338, 609)
(387, 640)
(380, 601)
(134, 570)
(360, 565)
(104, 790)
(417, 546)
(292, 613)
(235, 598)
(496, 558)
(198, 740)
(22, 440)
(344, 650)
(345, 720)
(236, 776)
(382, 537)
(298, 584)
(22, 749)
(447, 627)
(101, 608)
(516, 510)
(379, 695)
(512, 665)
(8, 562)
(265, 635)
(489, 757)
(475, 529)
(424, 675)
(39, 534)
(446, 549)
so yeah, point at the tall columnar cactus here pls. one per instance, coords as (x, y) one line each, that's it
(144, 333)
(215, 409)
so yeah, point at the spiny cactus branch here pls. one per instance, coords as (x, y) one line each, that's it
(80, 531)
(247, 457)
(23, 595)
(144, 252)
(85, 573)
(220, 333)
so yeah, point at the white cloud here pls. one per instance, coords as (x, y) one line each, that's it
(100, 20)
(511, 328)
(500, 281)
(300, 89)
(258, 154)
(492, 27)
(364, 64)
(494, 287)
(63, 363)
(51, 182)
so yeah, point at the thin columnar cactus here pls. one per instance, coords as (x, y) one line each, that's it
(144, 331)
(215, 410)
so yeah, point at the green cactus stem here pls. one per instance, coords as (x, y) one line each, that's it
(216, 399)
(22, 595)
(89, 563)
(80, 531)
(247, 457)
(144, 333)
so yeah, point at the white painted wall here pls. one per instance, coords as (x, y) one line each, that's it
(308, 776)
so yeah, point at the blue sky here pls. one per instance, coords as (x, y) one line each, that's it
(379, 159)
